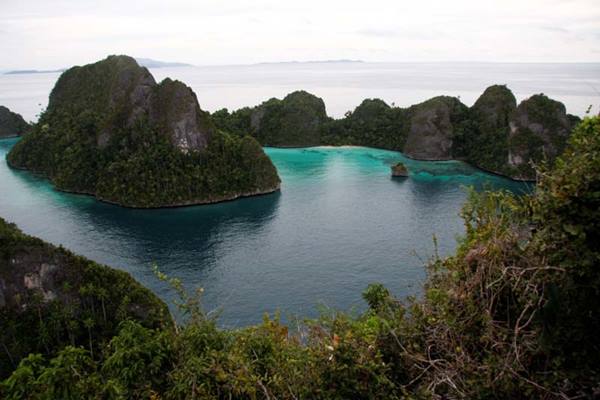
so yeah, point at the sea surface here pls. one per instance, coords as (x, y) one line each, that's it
(339, 223)
(344, 85)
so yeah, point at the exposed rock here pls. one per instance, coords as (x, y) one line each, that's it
(174, 108)
(539, 129)
(399, 170)
(40, 282)
(124, 94)
(433, 125)
(12, 124)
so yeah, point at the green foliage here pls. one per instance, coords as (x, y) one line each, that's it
(373, 123)
(140, 167)
(486, 144)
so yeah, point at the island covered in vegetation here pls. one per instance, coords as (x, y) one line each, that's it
(111, 131)
(513, 314)
(494, 134)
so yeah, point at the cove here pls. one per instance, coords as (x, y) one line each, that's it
(339, 223)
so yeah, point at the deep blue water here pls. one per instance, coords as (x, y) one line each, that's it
(339, 223)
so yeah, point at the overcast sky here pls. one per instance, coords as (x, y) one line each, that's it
(58, 33)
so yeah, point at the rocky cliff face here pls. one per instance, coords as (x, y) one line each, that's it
(433, 127)
(12, 124)
(174, 108)
(59, 298)
(119, 93)
(539, 129)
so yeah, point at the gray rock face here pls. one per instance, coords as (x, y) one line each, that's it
(124, 94)
(539, 130)
(494, 108)
(174, 108)
(432, 129)
(12, 124)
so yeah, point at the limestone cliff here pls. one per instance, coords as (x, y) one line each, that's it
(434, 124)
(539, 129)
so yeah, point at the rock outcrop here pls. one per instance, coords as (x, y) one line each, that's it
(111, 131)
(12, 124)
(49, 293)
(433, 126)
(539, 129)
(399, 170)
(116, 93)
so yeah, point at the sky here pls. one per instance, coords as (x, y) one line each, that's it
(43, 34)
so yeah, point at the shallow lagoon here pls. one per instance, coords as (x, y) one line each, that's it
(339, 223)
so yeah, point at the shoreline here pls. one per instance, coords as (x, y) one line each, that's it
(329, 146)
(191, 203)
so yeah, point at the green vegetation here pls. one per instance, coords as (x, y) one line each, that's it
(295, 121)
(111, 131)
(51, 298)
(513, 314)
(486, 143)
(12, 124)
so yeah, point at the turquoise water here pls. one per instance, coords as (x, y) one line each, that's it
(339, 223)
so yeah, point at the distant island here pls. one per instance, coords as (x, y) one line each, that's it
(112, 132)
(144, 62)
(340, 61)
(495, 134)
(150, 63)
(34, 71)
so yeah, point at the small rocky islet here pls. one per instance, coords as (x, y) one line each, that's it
(399, 170)
(111, 131)
(495, 134)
